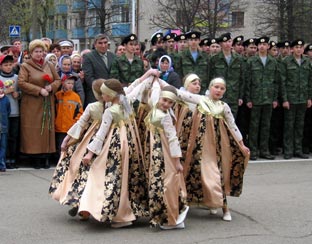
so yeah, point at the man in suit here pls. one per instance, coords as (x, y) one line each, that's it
(96, 64)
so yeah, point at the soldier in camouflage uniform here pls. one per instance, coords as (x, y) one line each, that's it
(193, 60)
(296, 82)
(277, 118)
(127, 67)
(214, 47)
(307, 132)
(230, 66)
(238, 46)
(262, 77)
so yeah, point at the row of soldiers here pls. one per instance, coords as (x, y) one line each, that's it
(269, 85)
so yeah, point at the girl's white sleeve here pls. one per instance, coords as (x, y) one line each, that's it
(137, 92)
(76, 130)
(96, 145)
(171, 134)
(229, 118)
(189, 97)
(155, 94)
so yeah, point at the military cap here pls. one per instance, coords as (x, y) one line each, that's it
(283, 44)
(297, 42)
(156, 37)
(204, 42)
(308, 48)
(272, 44)
(169, 36)
(5, 47)
(225, 37)
(238, 39)
(213, 41)
(249, 41)
(263, 39)
(180, 37)
(128, 38)
(193, 35)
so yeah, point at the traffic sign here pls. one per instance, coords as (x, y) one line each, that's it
(14, 30)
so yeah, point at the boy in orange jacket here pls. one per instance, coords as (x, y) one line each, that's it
(68, 109)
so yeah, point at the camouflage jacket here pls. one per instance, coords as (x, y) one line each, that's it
(296, 80)
(127, 72)
(233, 74)
(262, 81)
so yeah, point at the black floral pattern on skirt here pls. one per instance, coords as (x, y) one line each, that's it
(61, 169)
(157, 207)
(137, 184)
(193, 180)
(185, 134)
(112, 183)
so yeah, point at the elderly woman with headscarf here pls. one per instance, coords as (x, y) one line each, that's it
(167, 72)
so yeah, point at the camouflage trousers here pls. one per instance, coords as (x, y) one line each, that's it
(259, 129)
(293, 128)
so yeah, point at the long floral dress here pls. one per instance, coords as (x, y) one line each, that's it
(166, 187)
(214, 164)
(116, 186)
(69, 171)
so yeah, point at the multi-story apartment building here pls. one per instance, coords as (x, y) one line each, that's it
(80, 20)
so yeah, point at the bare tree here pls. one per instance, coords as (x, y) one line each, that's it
(286, 19)
(176, 14)
(215, 15)
(207, 16)
(106, 13)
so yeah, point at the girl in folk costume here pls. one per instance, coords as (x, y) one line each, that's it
(69, 169)
(167, 195)
(216, 157)
(184, 112)
(116, 186)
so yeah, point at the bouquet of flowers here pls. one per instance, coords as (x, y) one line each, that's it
(8, 83)
(46, 105)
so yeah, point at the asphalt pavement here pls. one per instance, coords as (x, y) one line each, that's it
(274, 208)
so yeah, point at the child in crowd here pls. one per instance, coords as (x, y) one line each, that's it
(9, 78)
(68, 109)
(167, 194)
(5, 111)
(66, 69)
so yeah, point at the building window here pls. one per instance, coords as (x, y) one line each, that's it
(121, 13)
(237, 19)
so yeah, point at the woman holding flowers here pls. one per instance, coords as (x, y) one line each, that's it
(38, 81)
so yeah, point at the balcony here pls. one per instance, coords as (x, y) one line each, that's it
(61, 9)
(120, 29)
(60, 34)
(78, 6)
(78, 33)
(120, 2)
(93, 31)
